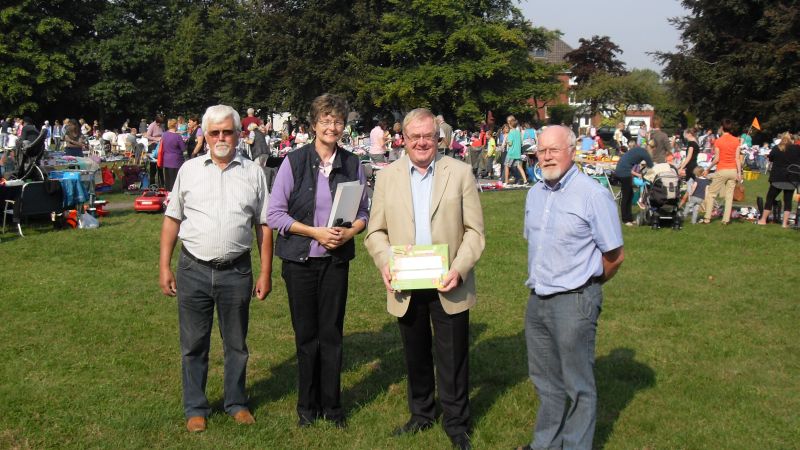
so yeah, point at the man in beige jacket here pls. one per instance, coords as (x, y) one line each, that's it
(426, 198)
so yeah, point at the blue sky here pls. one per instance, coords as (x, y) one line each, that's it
(636, 26)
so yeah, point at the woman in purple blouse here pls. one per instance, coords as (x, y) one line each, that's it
(173, 147)
(316, 257)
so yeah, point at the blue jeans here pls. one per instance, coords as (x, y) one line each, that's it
(560, 335)
(199, 289)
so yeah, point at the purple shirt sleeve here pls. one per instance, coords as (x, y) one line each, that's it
(278, 217)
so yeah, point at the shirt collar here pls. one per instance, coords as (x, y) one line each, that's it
(564, 181)
(431, 168)
(236, 159)
(327, 166)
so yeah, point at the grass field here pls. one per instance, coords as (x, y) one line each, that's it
(698, 345)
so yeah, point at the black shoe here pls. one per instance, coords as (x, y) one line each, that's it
(412, 426)
(525, 447)
(304, 421)
(461, 441)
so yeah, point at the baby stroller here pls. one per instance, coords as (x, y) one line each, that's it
(132, 179)
(661, 196)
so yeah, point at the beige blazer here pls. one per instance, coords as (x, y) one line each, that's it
(456, 220)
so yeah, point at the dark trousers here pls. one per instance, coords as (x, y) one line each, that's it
(450, 341)
(156, 171)
(170, 174)
(475, 155)
(317, 291)
(626, 184)
(772, 194)
(200, 288)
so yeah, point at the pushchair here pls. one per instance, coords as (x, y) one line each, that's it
(133, 179)
(661, 196)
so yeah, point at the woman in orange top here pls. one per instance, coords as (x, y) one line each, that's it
(729, 171)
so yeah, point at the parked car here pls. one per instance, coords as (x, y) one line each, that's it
(633, 126)
(607, 135)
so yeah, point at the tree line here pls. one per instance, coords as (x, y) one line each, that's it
(128, 59)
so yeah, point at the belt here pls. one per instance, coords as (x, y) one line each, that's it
(577, 290)
(217, 264)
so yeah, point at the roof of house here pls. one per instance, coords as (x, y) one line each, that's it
(555, 55)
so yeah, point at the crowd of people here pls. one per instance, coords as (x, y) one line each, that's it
(505, 152)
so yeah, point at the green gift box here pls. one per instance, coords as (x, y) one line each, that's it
(418, 266)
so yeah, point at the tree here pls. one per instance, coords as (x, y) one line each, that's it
(37, 51)
(123, 70)
(739, 59)
(561, 115)
(457, 58)
(314, 47)
(615, 94)
(595, 56)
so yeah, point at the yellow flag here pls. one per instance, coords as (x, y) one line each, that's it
(755, 124)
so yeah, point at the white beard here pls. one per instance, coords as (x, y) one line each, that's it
(221, 150)
(551, 173)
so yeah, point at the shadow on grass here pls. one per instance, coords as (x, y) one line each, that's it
(377, 353)
(619, 376)
(497, 365)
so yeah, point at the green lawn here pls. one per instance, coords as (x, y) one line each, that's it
(698, 345)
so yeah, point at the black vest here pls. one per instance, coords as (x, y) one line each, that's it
(302, 201)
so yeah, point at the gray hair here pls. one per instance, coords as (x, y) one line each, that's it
(218, 113)
(421, 113)
(251, 111)
(571, 139)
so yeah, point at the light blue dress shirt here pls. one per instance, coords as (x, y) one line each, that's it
(568, 227)
(421, 187)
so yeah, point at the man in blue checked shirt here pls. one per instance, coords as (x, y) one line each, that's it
(574, 246)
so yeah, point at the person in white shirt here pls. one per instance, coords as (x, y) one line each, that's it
(301, 136)
(216, 202)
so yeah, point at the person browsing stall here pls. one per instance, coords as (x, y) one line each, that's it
(316, 258)
(574, 247)
(215, 203)
(630, 159)
(173, 146)
(729, 172)
(427, 198)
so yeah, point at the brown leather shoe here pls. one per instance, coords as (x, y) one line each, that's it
(244, 417)
(196, 424)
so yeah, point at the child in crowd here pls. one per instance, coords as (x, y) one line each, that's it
(286, 142)
(491, 153)
(183, 128)
(696, 193)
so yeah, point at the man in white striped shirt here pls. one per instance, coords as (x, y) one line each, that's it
(216, 201)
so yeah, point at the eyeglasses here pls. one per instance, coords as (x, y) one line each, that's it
(216, 133)
(327, 123)
(413, 139)
(554, 151)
